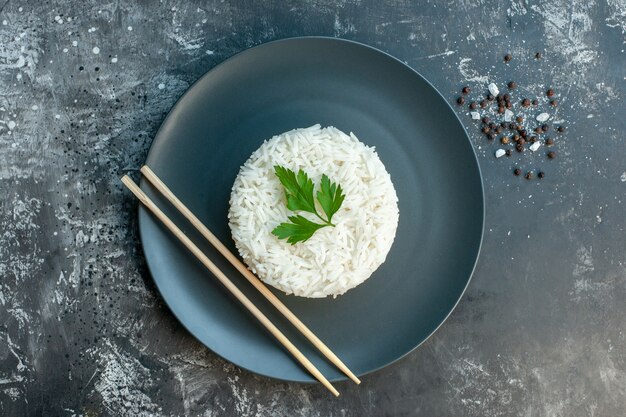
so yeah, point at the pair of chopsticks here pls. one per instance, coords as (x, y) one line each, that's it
(151, 206)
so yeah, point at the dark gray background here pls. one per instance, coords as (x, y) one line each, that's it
(540, 331)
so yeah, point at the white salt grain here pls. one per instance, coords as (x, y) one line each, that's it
(508, 115)
(500, 153)
(534, 146)
(543, 117)
(475, 115)
(493, 89)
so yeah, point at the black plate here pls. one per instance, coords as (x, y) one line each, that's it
(294, 83)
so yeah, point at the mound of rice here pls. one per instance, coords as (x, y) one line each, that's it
(334, 259)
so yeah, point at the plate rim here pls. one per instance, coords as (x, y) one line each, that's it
(143, 183)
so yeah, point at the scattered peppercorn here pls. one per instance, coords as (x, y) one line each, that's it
(460, 100)
(554, 103)
(504, 140)
(486, 129)
(483, 104)
(490, 97)
(541, 174)
(561, 129)
(516, 138)
(523, 133)
(512, 85)
(550, 92)
(538, 129)
(508, 57)
(492, 125)
(508, 152)
(537, 55)
(535, 102)
(512, 126)
(81, 68)
(522, 141)
(525, 102)
(529, 175)
(500, 109)
(545, 127)
(491, 136)
(519, 147)
(549, 141)
(499, 129)
(473, 105)
(519, 119)
(486, 120)
(551, 154)
(466, 90)
(503, 124)
(517, 172)
(532, 139)
(509, 105)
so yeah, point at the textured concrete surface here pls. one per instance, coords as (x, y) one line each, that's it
(84, 86)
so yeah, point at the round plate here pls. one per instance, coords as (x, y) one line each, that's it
(291, 83)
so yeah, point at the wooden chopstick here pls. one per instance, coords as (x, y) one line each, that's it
(150, 205)
(156, 181)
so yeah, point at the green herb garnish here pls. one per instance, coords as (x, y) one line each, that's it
(299, 194)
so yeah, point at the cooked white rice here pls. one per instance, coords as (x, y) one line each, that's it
(334, 259)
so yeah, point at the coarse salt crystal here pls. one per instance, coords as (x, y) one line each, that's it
(508, 115)
(500, 153)
(493, 89)
(475, 115)
(543, 117)
(534, 146)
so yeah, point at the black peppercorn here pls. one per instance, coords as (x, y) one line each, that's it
(506, 97)
(486, 129)
(525, 102)
(490, 97)
(491, 136)
(483, 104)
(519, 147)
(499, 129)
(509, 105)
(504, 140)
(550, 92)
(486, 120)
(549, 141)
(517, 172)
(492, 125)
(508, 57)
(538, 129)
(545, 127)
(460, 100)
(519, 119)
(529, 175)
(535, 102)
(466, 90)
(532, 139)
(512, 126)
(473, 105)
(523, 133)
(508, 152)
(537, 55)
(522, 141)
(512, 85)
(500, 109)
(516, 138)
(561, 129)
(551, 154)
(541, 174)
(554, 103)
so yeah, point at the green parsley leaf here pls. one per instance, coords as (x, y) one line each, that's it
(299, 196)
(330, 197)
(299, 230)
